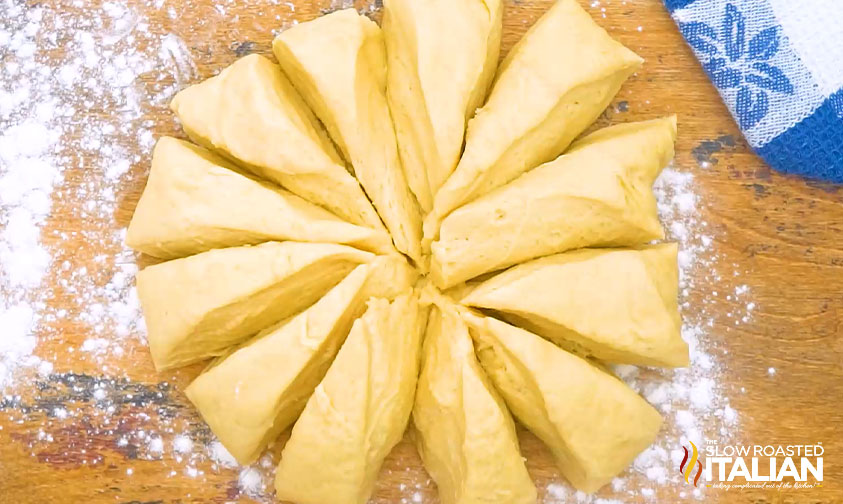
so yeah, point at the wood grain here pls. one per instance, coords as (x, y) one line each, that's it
(782, 235)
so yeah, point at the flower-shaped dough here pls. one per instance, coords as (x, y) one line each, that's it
(363, 258)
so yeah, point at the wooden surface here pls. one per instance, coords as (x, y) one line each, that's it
(784, 235)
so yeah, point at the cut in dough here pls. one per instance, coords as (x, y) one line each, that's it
(251, 396)
(552, 85)
(619, 305)
(194, 201)
(198, 306)
(358, 412)
(599, 193)
(391, 275)
(592, 422)
(338, 63)
(252, 114)
(256, 392)
(442, 55)
(465, 434)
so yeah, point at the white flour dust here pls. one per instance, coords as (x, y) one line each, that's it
(72, 126)
(78, 88)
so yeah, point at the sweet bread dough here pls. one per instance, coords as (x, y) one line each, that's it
(358, 412)
(441, 57)
(552, 85)
(619, 305)
(252, 114)
(312, 328)
(255, 393)
(338, 64)
(390, 276)
(249, 397)
(592, 422)
(198, 306)
(599, 193)
(465, 435)
(196, 201)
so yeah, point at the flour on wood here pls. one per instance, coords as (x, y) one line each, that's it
(77, 92)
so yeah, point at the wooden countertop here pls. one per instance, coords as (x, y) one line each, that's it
(783, 234)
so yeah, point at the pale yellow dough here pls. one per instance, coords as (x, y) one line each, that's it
(464, 432)
(552, 85)
(198, 306)
(391, 276)
(442, 55)
(356, 288)
(358, 412)
(338, 63)
(599, 193)
(259, 390)
(252, 114)
(195, 201)
(592, 422)
(619, 305)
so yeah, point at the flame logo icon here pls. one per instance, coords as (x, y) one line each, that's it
(686, 468)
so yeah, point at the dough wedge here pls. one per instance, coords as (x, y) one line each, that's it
(198, 306)
(252, 395)
(358, 412)
(592, 422)
(442, 55)
(552, 85)
(619, 305)
(196, 201)
(252, 114)
(465, 435)
(599, 193)
(338, 64)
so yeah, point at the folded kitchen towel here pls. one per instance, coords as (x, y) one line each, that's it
(778, 64)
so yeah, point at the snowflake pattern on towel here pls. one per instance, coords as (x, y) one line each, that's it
(732, 63)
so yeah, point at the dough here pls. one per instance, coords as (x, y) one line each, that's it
(358, 412)
(258, 391)
(599, 193)
(198, 306)
(251, 113)
(251, 396)
(592, 422)
(464, 433)
(338, 63)
(442, 55)
(552, 85)
(391, 277)
(194, 201)
(619, 305)
(308, 290)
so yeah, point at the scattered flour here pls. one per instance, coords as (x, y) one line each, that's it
(220, 455)
(556, 493)
(182, 444)
(73, 107)
(251, 481)
(156, 446)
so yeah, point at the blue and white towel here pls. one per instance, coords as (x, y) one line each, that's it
(778, 64)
